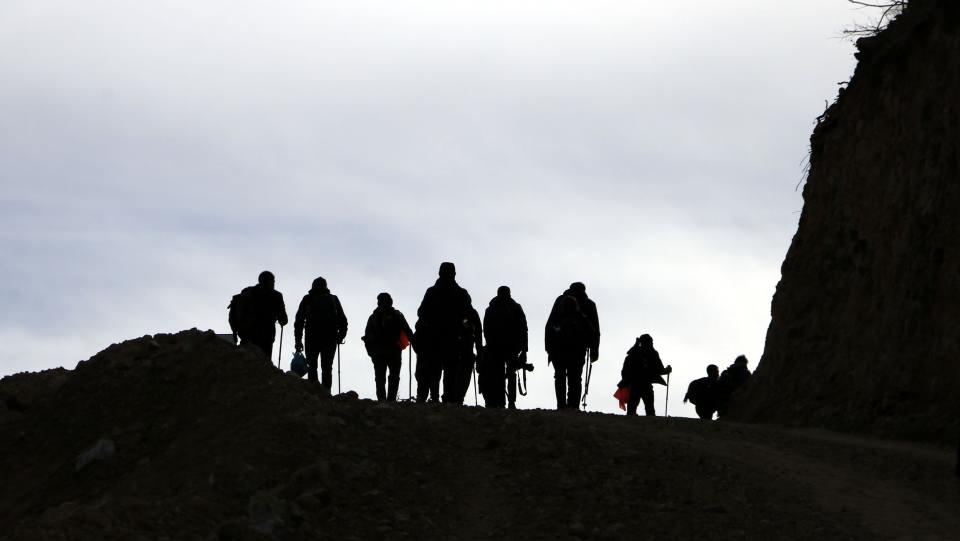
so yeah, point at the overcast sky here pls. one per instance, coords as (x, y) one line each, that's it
(156, 156)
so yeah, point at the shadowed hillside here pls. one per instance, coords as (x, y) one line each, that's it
(187, 437)
(864, 330)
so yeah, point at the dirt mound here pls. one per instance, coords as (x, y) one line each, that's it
(187, 437)
(863, 335)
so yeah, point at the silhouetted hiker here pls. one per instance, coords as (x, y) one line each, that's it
(731, 379)
(386, 336)
(567, 337)
(641, 369)
(704, 393)
(439, 326)
(458, 372)
(505, 327)
(255, 311)
(321, 318)
(588, 308)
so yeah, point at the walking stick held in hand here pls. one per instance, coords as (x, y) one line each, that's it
(280, 349)
(586, 387)
(410, 374)
(476, 402)
(666, 402)
(338, 370)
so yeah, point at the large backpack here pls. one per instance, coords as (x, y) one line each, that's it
(324, 315)
(503, 326)
(696, 391)
(242, 313)
(385, 333)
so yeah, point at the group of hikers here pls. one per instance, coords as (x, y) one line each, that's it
(454, 345)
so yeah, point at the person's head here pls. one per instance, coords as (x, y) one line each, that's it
(741, 360)
(266, 279)
(384, 300)
(447, 270)
(503, 292)
(645, 340)
(713, 372)
(319, 284)
(578, 289)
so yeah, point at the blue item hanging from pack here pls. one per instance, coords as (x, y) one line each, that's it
(298, 365)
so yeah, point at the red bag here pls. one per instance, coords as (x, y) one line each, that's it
(623, 395)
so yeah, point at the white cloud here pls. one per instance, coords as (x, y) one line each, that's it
(154, 157)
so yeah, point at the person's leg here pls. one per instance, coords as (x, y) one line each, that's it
(647, 397)
(466, 377)
(436, 374)
(575, 383)
(393, 380)
(634, 399)
(512, 389)
(451, 377)
(560, 383)
(312, 355)
(380, 377)
(422, 375)
(327, 354)
(265, 344)
(493, 378)
(704, 412)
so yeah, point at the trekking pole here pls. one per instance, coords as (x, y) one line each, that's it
(280, 349)
(476, 401)
(586, 387)
(339, 391)
(666, 403)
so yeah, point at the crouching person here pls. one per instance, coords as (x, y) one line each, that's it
(386, 336)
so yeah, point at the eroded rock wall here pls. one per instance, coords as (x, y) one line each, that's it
(865, 331)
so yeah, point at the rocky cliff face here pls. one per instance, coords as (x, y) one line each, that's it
(865, 334)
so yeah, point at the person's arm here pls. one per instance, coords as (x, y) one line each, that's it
(525, 337)
(551, 321)
(478, 327)
(343, 321)
(298, 322)
(664, 370)
(406, 328)
(282, 313)
(595, 323)
(368, 333)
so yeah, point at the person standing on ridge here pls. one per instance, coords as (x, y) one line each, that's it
(457, 375)
(731, 379)
(386, 336)
(567, 337)
(254, 313)
(505, 327)
(320, 317)
(588, 308)
(704, 393)
(439, 326)
(641, 369)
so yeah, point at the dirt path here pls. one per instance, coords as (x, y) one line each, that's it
(251, 455)
(895, 490)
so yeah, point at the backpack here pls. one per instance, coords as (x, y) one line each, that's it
(502, 325)
(241, 313)
(323, 315)
(384, 333)
(695, 391)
